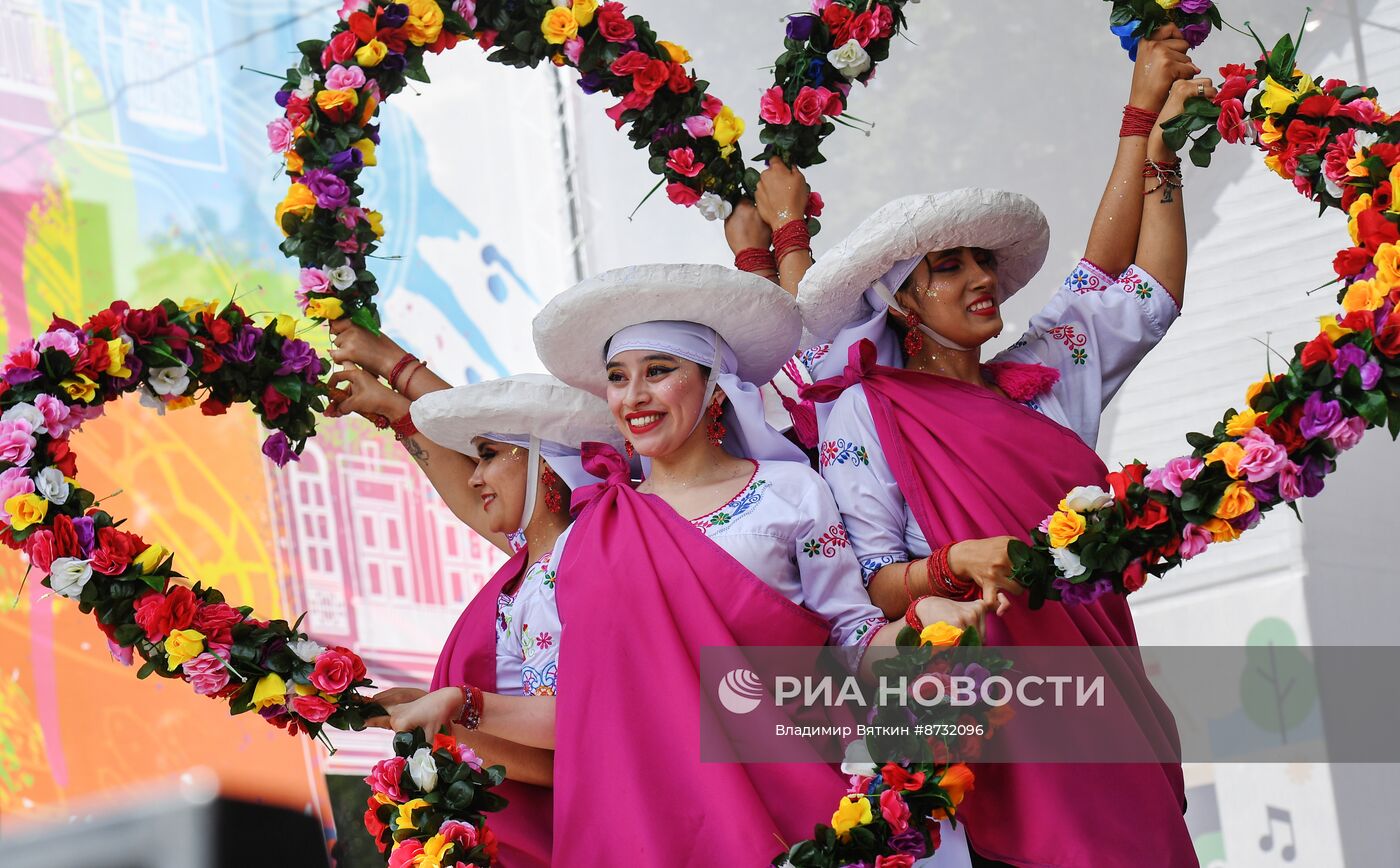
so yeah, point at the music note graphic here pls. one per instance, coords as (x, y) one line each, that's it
(1266, 842)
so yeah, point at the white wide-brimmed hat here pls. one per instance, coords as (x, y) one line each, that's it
(525, 405)
(757, 319)
(832, 294)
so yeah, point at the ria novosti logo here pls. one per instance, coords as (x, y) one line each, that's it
(740, 691)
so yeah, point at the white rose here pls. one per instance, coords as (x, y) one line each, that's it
(858, 760)
(307, 87)
(1088, 498)
(52, 486)
(714, 207)
(850, 59)
(342, 277)
(150, 399)
(29, 413)
(423, 769)
(1365, 139)
(1068, 563)
(67, 576)
(169, 381)
(306, 650)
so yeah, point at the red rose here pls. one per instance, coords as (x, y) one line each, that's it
(613, 23)
(313, 708)
(1120, 480)
(1359, 321)
(373, 826)
(216, 621)
(652, 76)
(1388, 338)
(444, 42)
(1286, 434)
(637, 99)
(1349, 196)
(487, 38)
(901, 860)
(340, 49)
(211, 407)
(1319, 349)
(680, 81)
(158, 614)
(681, 194)
(1235, 86)
(1319, 106)
(298, 111)
(275, 404)
(838, 21)
(815, 205)
(219, 329)
(1375, 230)
(1388, 153)
(1231, 124)
(108, 564)
(884, 21)
(357, 666)
(65, 538)
(39, 546)
(863, 29)
(362, 26)
(1134, 577)
(209, 361)
(395, 40)
(1351, 262)
(630, 63)
(120, 543)
(810, 103)
(92, 359)
(144, 324)
(110, 319)
(1153, 514)
(899, 778)
(63, 458)
(333, 672)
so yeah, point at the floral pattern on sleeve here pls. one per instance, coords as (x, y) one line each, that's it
(828, 544)
(843, 451)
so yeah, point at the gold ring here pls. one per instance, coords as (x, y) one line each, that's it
(1201, 90)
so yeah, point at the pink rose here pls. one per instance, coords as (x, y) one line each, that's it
(313, 708)
(682, 162)
(1347, 433)
(1362, 111)
(333, 671)
(345, 78)
(207, 674)
(119, 654)
(864, 29)
(350, 7)
(405, 853)
(468, 756)
(711, 106)
(902, 860)
(17, 442)
(56, 415)
(773, 107)
(809, 106)
(681, 194)
(1232, 127)
(1262, 456)
(466, 9)
(895, 811)
(280, 136)
(1290, 482)
(460, 833)
(815, 205)
(40, 548)
(1194, 540)
(22, 358)
(62, 340)
(385, 777)
(1174, 475)
(573, 50)
(884, 21)
(699, 127)
(216, 621)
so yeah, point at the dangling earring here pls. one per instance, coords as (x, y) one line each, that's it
(715, 429)
(627, 444)
(553, 499)
(913, 338)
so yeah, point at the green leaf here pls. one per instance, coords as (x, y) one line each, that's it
(366, 319)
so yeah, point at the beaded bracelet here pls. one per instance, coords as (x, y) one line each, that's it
(472, 700)
(411, 374)
(1137, 123)
(911, 616)
(755, 259)
(942, 581)
(1168, 177)
(791, 238)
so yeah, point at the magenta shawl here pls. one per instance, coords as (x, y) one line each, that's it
(524, 828)
(972, 464)
(640, 592)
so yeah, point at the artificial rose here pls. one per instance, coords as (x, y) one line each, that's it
(39, 548)
(159, 614)
(26, 510)
(682, 161)
(207, 674)
(386, 777)
(808, 107)
(940, 635)
(613, 23)
(216, 621)
(1153, 514)
(851, 59)
(270, 692)
(1066, 526)
(422, 768)
(68, 576)
(773, 107)
(1232, 126)
(313, 708)
(333, 673)
(182, 646)
(682, 194)
(728, 127)
(559, 26)
(1235, 502)
(1262, 456)
(274, 404)
(1135, 576)
(851, 812)
(899, 778)
(651, 78)
(1230, 454)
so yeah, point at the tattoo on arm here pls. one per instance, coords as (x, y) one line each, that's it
(418, 453)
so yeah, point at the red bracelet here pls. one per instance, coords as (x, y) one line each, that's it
(472, 701)
(755, 259)
(403, 427)
(911, 617)
(941, 580)
(408, 358)
(908, 592)
(1137, 123)
(791, 238)
(411, 374)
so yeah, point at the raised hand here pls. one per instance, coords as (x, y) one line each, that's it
(1162, 61)
(782, 194)
(359, 346)
(356, 390)
(746, 228)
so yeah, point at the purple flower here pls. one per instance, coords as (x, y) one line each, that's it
(244, 346)
(1194, 7)
(283, 97)
(1315, 468)
(1352, 356)
(976, 671)
(394, 15)
(347, 160)
(1196, 33)
(1072, 594)
(1318, 416)
(800, 27)
(910, 842)
(591, 82)
(331, 192)
(1267, 491)
(298, 357)
(279, 449)
(392, 62)
(87, 533)
(1247, 521)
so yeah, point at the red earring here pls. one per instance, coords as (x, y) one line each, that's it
(913, 338)
(553, 498)
(628, 445)
(715, 429)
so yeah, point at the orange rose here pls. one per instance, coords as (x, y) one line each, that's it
(338, 105)
(1236, 502)
(956, 781)
(300, 203)
(1231, 454)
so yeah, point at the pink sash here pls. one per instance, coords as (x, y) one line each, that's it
(524, 828)
(972, 464)
(640, 592)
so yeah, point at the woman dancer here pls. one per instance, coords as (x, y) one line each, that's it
(938, 460)
(732, 540)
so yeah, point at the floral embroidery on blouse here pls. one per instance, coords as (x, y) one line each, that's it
(812, 355)
(504, 602)
(735, 508)
(874, 564)
(516, 540)
(1084, 280)
(1074, 339)
(540, 682)
(828, 543)
(843, 451)
(1142, 289)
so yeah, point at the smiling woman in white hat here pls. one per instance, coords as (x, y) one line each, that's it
(938, 459)
(732, 539)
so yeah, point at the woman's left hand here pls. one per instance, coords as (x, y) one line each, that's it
(745, 229)
(782, 194)
(962, 615)
(1176, 104)
(430, 712)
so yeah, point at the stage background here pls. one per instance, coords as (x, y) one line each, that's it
(133, 164)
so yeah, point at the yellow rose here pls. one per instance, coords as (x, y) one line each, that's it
(197, 306)
(584, 10)
(1269, 132)
(853, 811)
(183, 645)
(677, 53)
(80, 389)
(559, 26)
(183, 402)
(300, 202)
(1278, 97)
(151, 558)
(1221, 530)
(1274, 163)
(371, 54)
(271, 690)
(116, 358)
(325, 308)
(1257, 389)
(1363, 295)
(1066, 526)
(1236, 502)
(1333, 329)
(26, 510)
(376, 223)
(1387, 261)
(1230, 454)
(1242, 423)
(366, 149)
(424, 22)
(295, 163)
(303, 689)
(1168, 4)
(344, 99)
(728, 127)
(285, 325)
(940, 635)
(406, 813)
(435, 849)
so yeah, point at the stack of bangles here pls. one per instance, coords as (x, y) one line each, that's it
(472, 701)
(1168, 176)
(403, 427)
(790, 238)
(399, 368)
(755, 260)
(941, 581)
(1137, 123)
